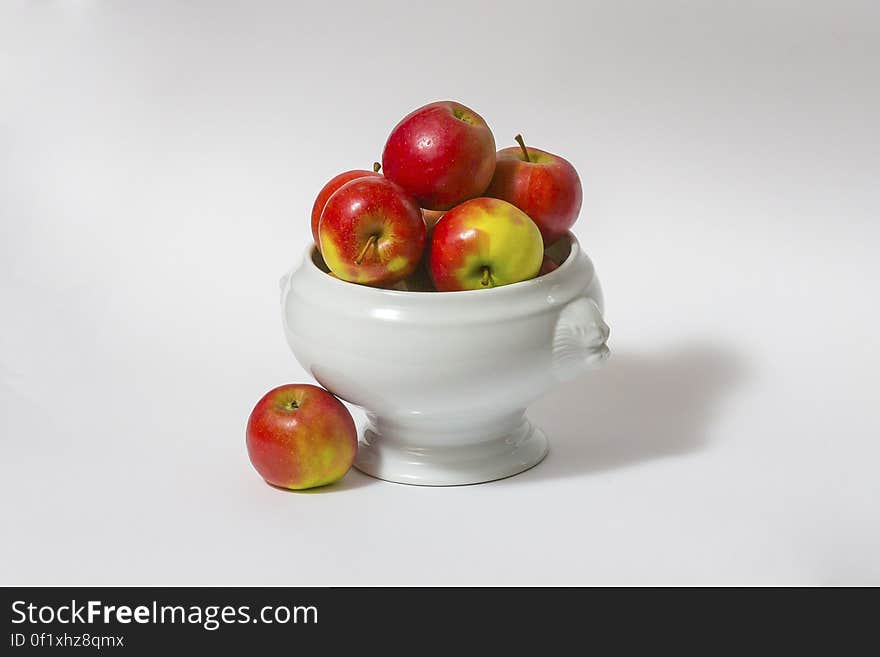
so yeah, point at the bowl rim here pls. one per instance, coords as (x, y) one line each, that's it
(512, 288)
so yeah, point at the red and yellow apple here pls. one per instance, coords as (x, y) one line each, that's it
(442, 154)
(300, 436)
(371, 232)
(482, 243)
(544, 186)
(330, 188)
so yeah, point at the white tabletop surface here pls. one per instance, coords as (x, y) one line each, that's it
(158, 162)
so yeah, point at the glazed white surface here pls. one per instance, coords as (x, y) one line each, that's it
(445, 378)
(158, 164)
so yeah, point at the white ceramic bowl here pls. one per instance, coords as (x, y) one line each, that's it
(445, 377)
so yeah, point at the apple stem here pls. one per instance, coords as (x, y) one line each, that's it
(370, 242)
(376, 167)
(485, 280)
(522, 145)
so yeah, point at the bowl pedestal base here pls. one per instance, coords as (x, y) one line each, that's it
(443, 452)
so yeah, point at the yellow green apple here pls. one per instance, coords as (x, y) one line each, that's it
(484, 243)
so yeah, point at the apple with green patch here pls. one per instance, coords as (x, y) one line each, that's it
(330, 188)
(484, 243)
(371, 232)
(544, 186)
(300, 436)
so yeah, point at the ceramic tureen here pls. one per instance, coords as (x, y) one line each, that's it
(445, 377)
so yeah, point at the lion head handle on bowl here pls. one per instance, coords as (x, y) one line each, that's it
(579, 341)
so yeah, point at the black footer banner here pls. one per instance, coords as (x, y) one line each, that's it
(411, 620)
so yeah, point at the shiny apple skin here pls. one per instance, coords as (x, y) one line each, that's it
(300, 436)
(484, 233)
(442, 154)
(328, 190)
(547, 188)
(366, 207)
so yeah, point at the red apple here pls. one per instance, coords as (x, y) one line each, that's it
(371, 232)
(300, 436)
(330, 188)
(544, 186)
(484, 242)
(442, 154)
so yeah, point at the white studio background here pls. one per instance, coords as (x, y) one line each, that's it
(158, 162)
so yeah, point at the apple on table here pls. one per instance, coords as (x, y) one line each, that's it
(300, 436)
